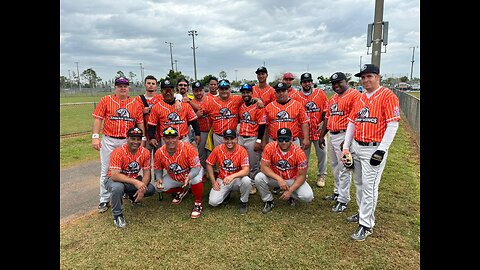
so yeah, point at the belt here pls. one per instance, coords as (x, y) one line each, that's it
(293, 139)
(246, 136)
(368, 143)
(336, 132)
(116, 137)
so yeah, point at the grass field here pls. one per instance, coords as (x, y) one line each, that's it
(160, 235)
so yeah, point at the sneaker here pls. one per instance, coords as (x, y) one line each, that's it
(267, 207)
(291, 202)
(361, 233)
(321, 181)
(339, 207)
(197, 210)
(276, 190)
(243, 207)
(132, 201)
(178, 197)
(102, 207)
(253, 190)
(332, 197)
(119, 221)
(353, 218)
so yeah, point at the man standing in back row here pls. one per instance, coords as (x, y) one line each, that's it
(372, 126)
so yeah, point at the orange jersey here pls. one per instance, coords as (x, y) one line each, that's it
(371, 115)
(228, 163)
(267, 94)
(180, 164)
(250, 118)
(285, 165)
(118, 115)
(164, 115)
(291, 92)
(339, 108)
(289, 115)
(150, 102)
(224, 114)
(204, 121)
(315, 104)
(129, 164)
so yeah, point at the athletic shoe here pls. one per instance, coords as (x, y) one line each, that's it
(267, 207)
(253, 190)
(132, 201)
(119, 221)
(291, 202)
(276, 190)
(339, 207)
(243, 207)
(361, 233)
(353, 218)
(332, 197)
(197, 210)
(102, 207)
(321, 181)
(178, 197)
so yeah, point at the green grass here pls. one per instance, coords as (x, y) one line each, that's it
(76, 150)
(160, 235)
(415, 94)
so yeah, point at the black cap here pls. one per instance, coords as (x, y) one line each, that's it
(280, 86)
(261, 69)
(229, 133)
(368, 68)
(337, 76)
(246, 87)
(197, 84)
(167, 84)
(170, 131)
(284, 133)
(121, 80)
(134, 132)
(306, 77)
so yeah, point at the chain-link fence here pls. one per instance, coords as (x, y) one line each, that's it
(410, 106)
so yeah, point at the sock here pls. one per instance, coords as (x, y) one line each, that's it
(197, 191)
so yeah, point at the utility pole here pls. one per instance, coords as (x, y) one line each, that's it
(193, 33)
(413, 60)
(69, 79)
(171, 55)
(377, 33)
(176, 70)
(141, 71)
(360, 66)
(236, 74)
(78, 77)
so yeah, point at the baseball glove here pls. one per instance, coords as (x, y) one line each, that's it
(347, 160)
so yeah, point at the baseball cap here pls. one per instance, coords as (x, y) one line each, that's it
(261, 69)
(170, 131)
(288, 75)
(284, 133)
(134, 132)
(368, 68)
(197, 84)
(280, 86)
(246, 87)
(166, 84)
(230, 133)
(337, 76)
(223, 83)
(121, 80)
(306, 77)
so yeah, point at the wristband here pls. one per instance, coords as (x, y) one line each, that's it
(178, 97)
(258, 141)
(144, 138)
(95, 136)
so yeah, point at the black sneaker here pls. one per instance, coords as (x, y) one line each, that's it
(332, 197)
(361, 233)
(178, 197)
(339, 207)
(291, 202)
(102, 207)
(267, 207)
(276, 190)
(132, 201)
(119, 221)
(243, 207)
(353, 218)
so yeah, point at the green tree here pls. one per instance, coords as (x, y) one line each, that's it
(131, 75)
(91, 76)
(63, 82)
(323, 80)
(222, 74)
(120, 74)
(404, 79)
(206, 79)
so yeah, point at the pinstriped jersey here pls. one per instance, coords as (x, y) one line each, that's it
(339, 108)
(118, 115)
(129, 164)
(180, 164)
(204, 121)
(290, 115)
(267, 94)
(228, 163)
(315, 104)
(150, 102)
(250, 118)
(224, 114)
(285, 165)
(371, 115)
(164, 115)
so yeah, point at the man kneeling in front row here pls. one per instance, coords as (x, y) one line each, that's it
(283, 165)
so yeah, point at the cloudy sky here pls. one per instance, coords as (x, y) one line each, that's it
(316, 36)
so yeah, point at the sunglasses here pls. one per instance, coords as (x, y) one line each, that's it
(170, 131)
(224, 83)
(223, 88)
(182, 84)
(283, 139)
(121, 80)
(135, 131)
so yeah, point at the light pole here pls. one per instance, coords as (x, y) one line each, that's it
(78, 77)
(360, 66)
(413, 60)
(141, 71)
(69, 79)
(176, 68)
(236, 74)
(171, 55)
(193, 33)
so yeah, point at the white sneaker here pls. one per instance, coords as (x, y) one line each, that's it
(321, 181)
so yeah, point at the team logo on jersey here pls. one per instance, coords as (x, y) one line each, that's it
(122, 114)
(334, 109)
(364, 116)
(247, 118)
(396, 111)
(282, 116)
(176, 169)
(228, 165)
(283, 165)
(133, 168)
(174, 119)
(311, 107)
(225, 114)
